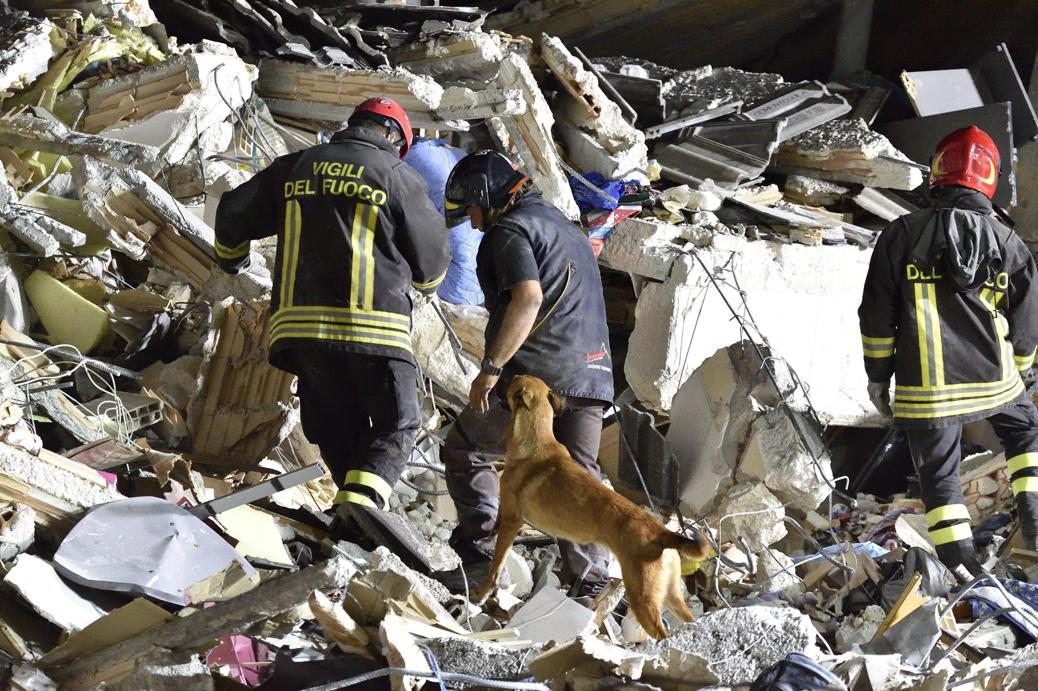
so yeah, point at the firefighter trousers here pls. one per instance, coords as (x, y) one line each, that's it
(363, 412)
(936, 454)
(477, 442)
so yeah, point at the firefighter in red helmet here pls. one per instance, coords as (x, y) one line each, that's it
(950, 311)
(356, 231)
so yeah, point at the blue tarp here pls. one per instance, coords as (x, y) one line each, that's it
(434, 160)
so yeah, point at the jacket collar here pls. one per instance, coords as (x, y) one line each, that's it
(956, 197)
(365, 135)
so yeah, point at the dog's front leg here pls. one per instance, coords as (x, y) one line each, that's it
(510, 522)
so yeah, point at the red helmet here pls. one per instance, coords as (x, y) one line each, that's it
(387, 109)
(966, 157)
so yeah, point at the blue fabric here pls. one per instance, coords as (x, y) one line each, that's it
(434, 160)
(986, 599)
(588, 199)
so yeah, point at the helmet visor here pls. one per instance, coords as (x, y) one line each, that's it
(454, 213)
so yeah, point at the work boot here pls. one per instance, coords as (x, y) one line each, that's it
(384, 528)
(961, 559)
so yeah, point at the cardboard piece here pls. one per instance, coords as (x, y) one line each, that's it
(115, 627)
(257, 534)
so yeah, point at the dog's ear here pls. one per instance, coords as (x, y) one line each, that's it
(556, 402)
(522, 397)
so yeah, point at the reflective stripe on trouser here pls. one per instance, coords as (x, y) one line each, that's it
(362, 411)
(948, 523)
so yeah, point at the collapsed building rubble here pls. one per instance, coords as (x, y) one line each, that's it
(163, 518)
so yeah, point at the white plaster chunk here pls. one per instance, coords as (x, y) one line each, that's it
(435, 355)
(530, 136)
(776, 455)
(25, 51)
(776, 571)
(648, 247)
(761, 520)
(804, 300)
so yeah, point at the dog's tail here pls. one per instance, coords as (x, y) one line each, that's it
(695, 547)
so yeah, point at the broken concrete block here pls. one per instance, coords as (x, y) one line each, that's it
(593, 128)
(483, 659)
(26, 131)
(848, 151)
(25, 51)
(529, 136)
(776, 455)
(329, 94)
(169, 104)
(243, 408)
(761, 520)
(882, 203)
(67, 317)
(812, 191)
(434, 353)
(713, 413)
(648, 247)
(463, 57)
(163, 670)
(810, 323)
(775, 571)
(740, 643)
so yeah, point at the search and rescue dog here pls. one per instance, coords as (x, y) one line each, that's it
(543, 485)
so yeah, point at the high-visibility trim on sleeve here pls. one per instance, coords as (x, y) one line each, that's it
(368, 479)
(877, 346)
(290, 257)
(1025, 484)
(1025, 362)
(948, 512)
(236, 252)
(1021, 461)
(353, 498)
(435, 283)
(954, 533)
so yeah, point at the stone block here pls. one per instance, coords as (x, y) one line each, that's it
(760, 519)
(776, 455)
(804, 300)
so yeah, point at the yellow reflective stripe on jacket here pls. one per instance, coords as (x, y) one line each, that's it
(378, 320)
(362, 240)
(236, 252)
(959, 531)
(1025, 484)
(1025, 362)
(367, 479)
(338, 332)
(293, 228)
(431, 284)
(991, 297)
(952, 392)
(948, 512)
(877, 346)
(353, 498)
(1021, 461)
(928, 326)
(940, 409)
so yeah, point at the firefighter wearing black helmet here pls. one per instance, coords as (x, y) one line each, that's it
(356, 231)
(547, 318)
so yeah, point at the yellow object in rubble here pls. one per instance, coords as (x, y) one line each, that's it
(67, 316)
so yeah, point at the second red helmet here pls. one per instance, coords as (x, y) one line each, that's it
(967, 157)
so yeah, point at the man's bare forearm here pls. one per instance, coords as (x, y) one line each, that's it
(520, 315)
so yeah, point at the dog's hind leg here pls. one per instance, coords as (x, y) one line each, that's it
(676, 604)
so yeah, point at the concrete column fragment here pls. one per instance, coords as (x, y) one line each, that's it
(27, 131)
(529, 136)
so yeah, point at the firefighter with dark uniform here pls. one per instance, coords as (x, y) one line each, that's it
(950, 310)
(356, 231)
(547, 318)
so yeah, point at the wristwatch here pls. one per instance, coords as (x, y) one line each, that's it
(488, 367)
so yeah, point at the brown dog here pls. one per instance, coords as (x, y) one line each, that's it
(543, 485)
